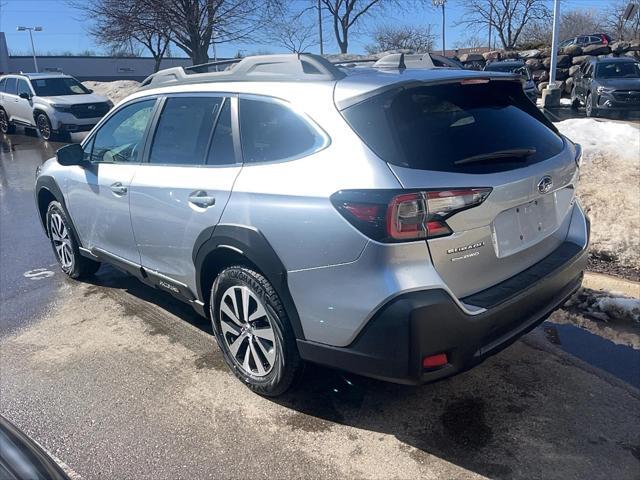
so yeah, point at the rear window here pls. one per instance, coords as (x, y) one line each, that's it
(433, 127)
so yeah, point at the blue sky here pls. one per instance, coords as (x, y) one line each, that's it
(64, 27)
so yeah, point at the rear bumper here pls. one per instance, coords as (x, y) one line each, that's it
(418, 324)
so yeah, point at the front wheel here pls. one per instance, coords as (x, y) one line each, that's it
(65, 245)
(5, 125)
(253, 331)
(46, 132)
(591, 109)
(575, 103)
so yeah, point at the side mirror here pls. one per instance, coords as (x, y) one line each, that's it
(71, 154)
(25, 95)
(90, 90)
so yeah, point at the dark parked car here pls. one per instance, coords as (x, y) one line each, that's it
(590, 39)
(608, 85)
(519, 67)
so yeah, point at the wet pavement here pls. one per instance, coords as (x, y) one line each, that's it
(119, 380)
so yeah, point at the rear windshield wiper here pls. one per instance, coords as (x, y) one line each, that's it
(516, 153)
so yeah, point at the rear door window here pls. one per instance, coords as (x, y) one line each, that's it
(272, 131)
(10, 87)
(3, 82)
(184, 130)
(440, 127)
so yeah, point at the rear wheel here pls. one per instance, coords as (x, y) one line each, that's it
(5, 125)
(65, 245)
(253, 331)
(591, 109)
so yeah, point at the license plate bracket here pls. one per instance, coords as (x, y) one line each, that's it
(521, 227)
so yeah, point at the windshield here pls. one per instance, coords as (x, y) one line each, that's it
(51, 87)
(435, 127)
(618, 70)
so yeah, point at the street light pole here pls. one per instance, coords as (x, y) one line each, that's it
(441, 3)
(320, 27)
(33, 47)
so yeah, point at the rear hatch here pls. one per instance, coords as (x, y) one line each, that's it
(476, 134)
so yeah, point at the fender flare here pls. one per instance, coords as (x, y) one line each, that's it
(48, 183)
(251, 244)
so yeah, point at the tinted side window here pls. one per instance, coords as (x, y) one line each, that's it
(2, 84)
(184, 130)
(10, 87)
(222, 152)
(120, 138)
(271, 131)
(23, 87)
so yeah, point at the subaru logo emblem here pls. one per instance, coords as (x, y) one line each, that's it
(545, 184)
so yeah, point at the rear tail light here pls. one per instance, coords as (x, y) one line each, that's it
(392, 216)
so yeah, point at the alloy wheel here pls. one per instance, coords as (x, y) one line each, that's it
(247, 331)
(44, 127)
(61, 241)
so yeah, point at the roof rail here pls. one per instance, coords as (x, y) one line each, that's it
(264, 68)
(215, 63)
(396, 61)
(393, 60)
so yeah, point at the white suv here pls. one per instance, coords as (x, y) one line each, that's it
(55, 104)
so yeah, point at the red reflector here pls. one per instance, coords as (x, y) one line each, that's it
(433, 361)
(364, 212)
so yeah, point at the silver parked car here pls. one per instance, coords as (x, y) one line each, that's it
(54, 104)
(398, 223)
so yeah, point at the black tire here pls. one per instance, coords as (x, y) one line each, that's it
(46, 132)
(288, 366)
(591, 109)
(575, 103)
(5, 125)
(71, 261)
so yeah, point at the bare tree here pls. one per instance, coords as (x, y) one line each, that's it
(408, 37)
(615, 24)
(346, 13)
(294, 31)
(507, 17)
(195, 25)
(118, 24)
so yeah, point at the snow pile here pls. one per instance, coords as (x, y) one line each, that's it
(114, 91)
(610, 185)
(620, 308)
(605, 306)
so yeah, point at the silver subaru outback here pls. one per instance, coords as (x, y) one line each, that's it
(396, 222)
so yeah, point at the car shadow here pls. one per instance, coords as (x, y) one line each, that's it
(112, 279)
(529, 412)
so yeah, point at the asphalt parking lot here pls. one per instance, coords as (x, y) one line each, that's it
(118, 380)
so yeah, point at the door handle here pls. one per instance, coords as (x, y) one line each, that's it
(201, 199)
(118, 188)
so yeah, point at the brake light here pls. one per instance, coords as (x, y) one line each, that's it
(392, 216)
